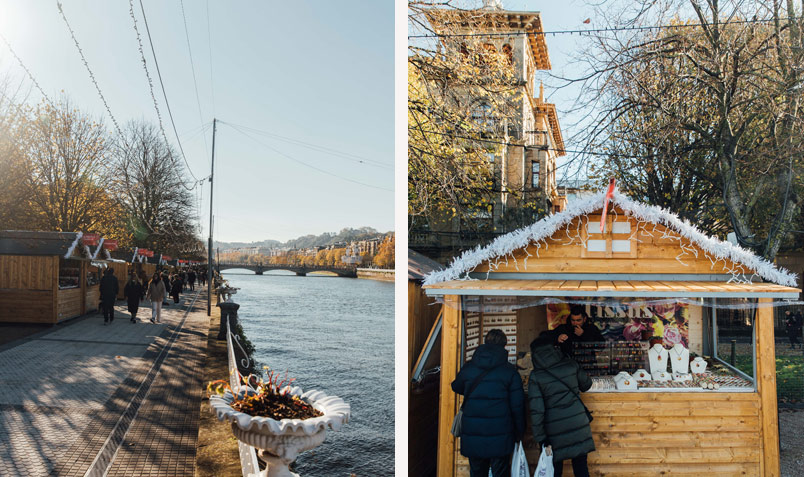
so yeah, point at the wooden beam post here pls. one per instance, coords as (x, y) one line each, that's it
(450, 345)
(766, 386)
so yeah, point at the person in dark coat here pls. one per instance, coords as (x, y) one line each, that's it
(108, 294)
(577, 329)
(166, 280)
(176, 288)
(134, 292)
(558, 417)
(494, 413)
(191, 280)
(793, 329)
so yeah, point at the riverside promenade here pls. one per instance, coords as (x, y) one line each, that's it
(119, 400)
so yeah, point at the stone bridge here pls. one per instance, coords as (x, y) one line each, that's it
(300, 270)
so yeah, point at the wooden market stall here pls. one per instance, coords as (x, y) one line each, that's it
(647, 275)
(43, 276)
(423, 317)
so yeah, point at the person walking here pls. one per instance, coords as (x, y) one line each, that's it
(176, 288)
(558, 416)
(108, 294)
(166, 282)
(493, 408)
(134, 293)
(793, 329)
(191, 279)
(156, 293)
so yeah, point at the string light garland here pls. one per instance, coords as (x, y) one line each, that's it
(27, 71)
(737, 262)
(586, 31)
(89, 70)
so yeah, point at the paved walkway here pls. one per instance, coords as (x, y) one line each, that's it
(88, 399)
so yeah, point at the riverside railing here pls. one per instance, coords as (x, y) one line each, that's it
(248, 455)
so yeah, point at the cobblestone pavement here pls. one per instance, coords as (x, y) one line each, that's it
(121, 399)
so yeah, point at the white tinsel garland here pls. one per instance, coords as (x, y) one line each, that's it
(73, 245)
(506, 245)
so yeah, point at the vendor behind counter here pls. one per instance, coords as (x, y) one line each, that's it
(577, 329)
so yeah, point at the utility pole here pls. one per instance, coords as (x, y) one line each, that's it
(209, 246)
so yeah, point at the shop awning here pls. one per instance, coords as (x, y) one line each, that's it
(620, 288)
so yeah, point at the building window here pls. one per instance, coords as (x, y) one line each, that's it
(490, 157)
(481, 115)
(509, 53)
(534, 171)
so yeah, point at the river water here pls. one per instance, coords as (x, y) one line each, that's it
(336, 335)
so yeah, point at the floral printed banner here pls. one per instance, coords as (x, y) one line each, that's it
(670, 322)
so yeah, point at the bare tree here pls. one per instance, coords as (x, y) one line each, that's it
(720, 84)
(159, 209)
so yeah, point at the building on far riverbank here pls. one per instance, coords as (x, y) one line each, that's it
(376, 274)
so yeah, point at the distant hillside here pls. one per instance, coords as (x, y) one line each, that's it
(327, 238)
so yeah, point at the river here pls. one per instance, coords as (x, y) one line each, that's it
(336, 335)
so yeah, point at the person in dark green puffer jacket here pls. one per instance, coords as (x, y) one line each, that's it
(558, 418)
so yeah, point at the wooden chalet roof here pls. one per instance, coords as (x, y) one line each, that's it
(643, 251)
(419, 265)
(23, 242)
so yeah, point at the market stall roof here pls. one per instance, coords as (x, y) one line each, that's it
(419, 265)
(23, 242)
(617, 288)
(639, 242)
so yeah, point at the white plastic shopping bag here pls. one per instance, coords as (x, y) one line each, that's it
(519, 464)
(545, 466)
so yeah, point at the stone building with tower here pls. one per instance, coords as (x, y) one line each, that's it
(524, 144)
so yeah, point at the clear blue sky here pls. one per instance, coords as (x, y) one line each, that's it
(320, 72)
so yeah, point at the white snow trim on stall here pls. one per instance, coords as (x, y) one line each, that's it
(73, 245)
(506, 244)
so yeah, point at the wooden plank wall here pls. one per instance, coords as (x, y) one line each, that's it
(26, 306)
(92, 298)
(652, 251)
(423, 401)
(654, 434)
(69, 303)
(27, 272)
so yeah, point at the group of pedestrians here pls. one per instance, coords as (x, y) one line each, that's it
(139, 288)
(494, 406)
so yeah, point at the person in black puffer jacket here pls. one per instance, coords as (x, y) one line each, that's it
(494, 414)
(558, 417)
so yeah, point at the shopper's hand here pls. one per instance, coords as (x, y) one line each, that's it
(562, 338)
(578, 331)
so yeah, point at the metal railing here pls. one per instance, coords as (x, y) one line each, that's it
(248, 455)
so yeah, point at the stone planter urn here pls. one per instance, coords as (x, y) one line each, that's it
(225, 293)
(280, 442)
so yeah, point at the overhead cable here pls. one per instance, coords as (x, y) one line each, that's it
(192, 68)
(164, 93)
(302, 162)
(315, 147)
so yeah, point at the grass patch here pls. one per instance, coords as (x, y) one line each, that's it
(217, 453)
